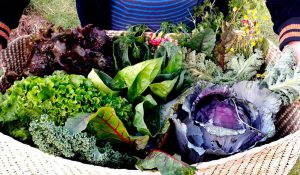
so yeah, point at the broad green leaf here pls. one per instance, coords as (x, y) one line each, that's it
(144, 78)
(175, 64)
(166, 164)
(100, 80)
(203, 41)
(138, 120)
(126, 76)
(164, 88)
(109, 127)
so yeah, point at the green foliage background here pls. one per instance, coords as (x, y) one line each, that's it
(63, 12)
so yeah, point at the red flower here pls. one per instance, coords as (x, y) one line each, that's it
(156, 40)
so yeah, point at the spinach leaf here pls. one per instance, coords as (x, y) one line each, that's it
(202, 41)
(144, 78)
(164, 88)
(147, 104)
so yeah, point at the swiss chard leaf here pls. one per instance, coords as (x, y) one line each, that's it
(166, 164)
(109, 127)
(164, 88)
(144, 78)
(138, 120)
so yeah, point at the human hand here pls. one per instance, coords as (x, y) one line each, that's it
(296, 46)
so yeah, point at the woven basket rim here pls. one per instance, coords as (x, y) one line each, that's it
(201, 165)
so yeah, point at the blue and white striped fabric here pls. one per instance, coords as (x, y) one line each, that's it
(125, 13)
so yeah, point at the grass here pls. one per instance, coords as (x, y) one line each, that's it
(59, 12)
(296, 169)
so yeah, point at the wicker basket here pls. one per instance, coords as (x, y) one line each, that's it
(277, 157)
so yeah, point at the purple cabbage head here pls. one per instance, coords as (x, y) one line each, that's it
(223, 120)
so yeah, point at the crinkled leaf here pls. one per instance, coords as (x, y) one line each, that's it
(144, 78)
(164, 88)
(138, 120)
(283, 77)
(201, 69)
(166, 164)
(109, 127)
(245, 69)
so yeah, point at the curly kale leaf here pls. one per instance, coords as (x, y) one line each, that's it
(200, 68)
(283, 77)
(58, 141)
(244, 69)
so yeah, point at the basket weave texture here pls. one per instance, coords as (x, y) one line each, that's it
(277, 157)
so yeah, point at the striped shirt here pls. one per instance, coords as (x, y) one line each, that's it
(125, 13)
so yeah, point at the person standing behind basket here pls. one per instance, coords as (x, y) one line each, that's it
(118, 14)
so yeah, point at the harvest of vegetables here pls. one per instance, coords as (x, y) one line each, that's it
(116, 102)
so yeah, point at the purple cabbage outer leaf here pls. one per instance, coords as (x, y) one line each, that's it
(223, 120)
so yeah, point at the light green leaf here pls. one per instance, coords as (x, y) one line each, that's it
(126, 76)
(144, 78)
(245, 69)
(283, 77)
(138, 120)
(166, 164)
(164, 88)
(98, 79)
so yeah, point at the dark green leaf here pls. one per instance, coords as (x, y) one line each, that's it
(203, 41)
(138, 120)
(175, 64)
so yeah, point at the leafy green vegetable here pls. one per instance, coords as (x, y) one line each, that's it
(58, 140)
(139, 121)
(145, 78)
(283, 77)
(131, 48)
(237, 69)
(200, 68)
(107, 126)
(203, 41)
(60, 96)
(245, 69)
(175, 64)
(97, 77)
(166, 164)
(164, 88)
